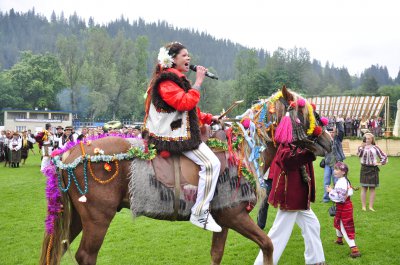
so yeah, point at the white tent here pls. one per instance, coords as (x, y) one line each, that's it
(352, 106)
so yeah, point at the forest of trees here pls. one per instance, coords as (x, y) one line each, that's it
(102, 71)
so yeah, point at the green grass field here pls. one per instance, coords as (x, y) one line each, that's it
(147, 241)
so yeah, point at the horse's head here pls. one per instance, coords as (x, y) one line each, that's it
(306, 126)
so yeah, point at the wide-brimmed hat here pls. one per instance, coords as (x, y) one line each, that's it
(59, 127)
(68, 128)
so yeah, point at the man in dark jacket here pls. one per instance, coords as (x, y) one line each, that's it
(331, 158)
(293, 191)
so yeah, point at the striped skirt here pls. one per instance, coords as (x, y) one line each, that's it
(344, 213)
(369, 176)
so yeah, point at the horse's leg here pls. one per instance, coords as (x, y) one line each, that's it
(93, 233)
(238, 219)
(218, 246)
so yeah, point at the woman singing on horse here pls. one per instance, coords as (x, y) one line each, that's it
(172, 122)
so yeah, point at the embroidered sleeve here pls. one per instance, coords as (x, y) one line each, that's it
(382, 156)
(338, 195)
(177, 98)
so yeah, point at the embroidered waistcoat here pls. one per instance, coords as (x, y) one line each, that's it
(169, 129)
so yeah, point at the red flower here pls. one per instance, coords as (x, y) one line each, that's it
(107, 167)
(165, 154)
(317, 131)
(313, 106)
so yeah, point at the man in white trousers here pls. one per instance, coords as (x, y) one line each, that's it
(46, 137)
(293, 189)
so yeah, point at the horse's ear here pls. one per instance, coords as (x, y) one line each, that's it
(286, 94)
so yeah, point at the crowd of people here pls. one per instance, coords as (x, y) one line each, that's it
(15, 146)
(354, 126)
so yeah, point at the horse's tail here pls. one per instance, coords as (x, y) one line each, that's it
(54, 245)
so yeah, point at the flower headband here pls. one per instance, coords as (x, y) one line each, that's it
(164, 59)
(342, 166)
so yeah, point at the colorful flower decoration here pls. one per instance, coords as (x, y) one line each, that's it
(313, 106)
(98, 151)
(311, 119)
(317, 131)
(164, 59)
(246, 123)
(165, 154)
(324, 121)
(277, 96)
(301, 102)
(107, 167)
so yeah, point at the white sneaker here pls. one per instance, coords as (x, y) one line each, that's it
(205, 221)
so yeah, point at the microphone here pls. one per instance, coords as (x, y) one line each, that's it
(210, 75)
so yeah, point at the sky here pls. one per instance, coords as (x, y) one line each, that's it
(351, 33)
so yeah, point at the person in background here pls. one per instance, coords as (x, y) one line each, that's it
(7, 152)
(25, 147)
(348, 126)
(172, 124)
(45, 140)
(58, 137)
(371, 156)
(340, 119)
(67, 137)
(2, 139)
(379, 126)
(137, 133)
(363, 126)
(73, 133)
(337, 134)
(15, 145)
(31, 141)
(343, 221)
(331, 122)
(356, 126)
(83, 134)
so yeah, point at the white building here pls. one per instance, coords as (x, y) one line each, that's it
(35, 120)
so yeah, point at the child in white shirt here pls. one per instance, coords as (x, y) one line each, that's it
(343, 221)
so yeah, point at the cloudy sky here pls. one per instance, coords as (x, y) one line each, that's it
(351, 33)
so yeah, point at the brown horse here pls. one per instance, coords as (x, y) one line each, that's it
(104, 199)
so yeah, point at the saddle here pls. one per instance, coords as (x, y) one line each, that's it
(178, 169)
(166, 188)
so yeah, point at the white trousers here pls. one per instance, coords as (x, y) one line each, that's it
(342, 233)
(281, 231)
(45, 162)
(45, 159)
(209, 172)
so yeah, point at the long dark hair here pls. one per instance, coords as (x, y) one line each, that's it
(173, 49)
